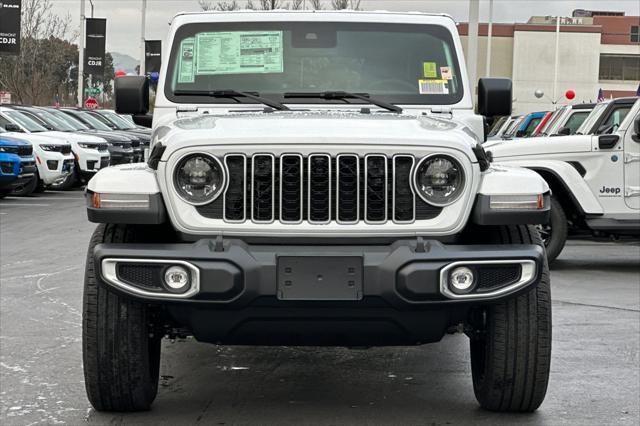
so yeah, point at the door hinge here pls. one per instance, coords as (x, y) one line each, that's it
(630, 157)
(631, 191)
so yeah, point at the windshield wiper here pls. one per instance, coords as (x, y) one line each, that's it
(232, 94)
(338, 95)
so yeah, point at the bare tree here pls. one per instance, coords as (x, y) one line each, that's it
(346, 4)
(295, 5)
(316, 4)
(223, 5)
(47, 57)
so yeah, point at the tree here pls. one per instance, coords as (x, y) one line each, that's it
(316, 4)
(346, 4)
(43, 69)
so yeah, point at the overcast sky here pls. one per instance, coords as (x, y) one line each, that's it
(123, 16)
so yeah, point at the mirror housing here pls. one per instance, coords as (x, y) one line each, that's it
(495, 96)
(132, 97)
(11, 127)
(564, 131)
(636, 129)
(608, 141)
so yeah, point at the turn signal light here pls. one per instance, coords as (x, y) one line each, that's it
(517, 202)
(119, 201)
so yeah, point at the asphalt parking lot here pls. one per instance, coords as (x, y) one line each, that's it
(595, 376)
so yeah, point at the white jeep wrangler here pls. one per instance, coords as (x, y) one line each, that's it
(316, 179)
(594, 175)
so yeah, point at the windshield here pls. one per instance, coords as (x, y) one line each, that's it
(532, 125)
(25, 121)
(52, 120)
(591, 119)
(396, 63)
(513, 127)
(552, 121)
(72, 122)
(120, 122)
(576, 120)
(93, 122)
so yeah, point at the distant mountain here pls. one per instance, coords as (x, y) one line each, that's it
(123, 62)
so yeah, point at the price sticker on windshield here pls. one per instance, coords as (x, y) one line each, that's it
(433, 87)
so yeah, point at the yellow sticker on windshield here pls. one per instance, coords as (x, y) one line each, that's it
(433, 87)
(429, 70)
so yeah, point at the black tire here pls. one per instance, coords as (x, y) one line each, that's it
(554, 234)
(27, 189)
(511, 348)
(68, 183)
(121, 356)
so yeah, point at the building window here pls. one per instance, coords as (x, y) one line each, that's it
(619, 67)
(635, 34)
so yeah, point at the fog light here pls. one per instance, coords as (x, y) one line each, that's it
(461, 280)
(176, 278)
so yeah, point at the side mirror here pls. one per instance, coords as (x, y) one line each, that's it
(494, 96)
(132, 97)
(636, 129)
(564, 131)
(10, 127)
(607, 141)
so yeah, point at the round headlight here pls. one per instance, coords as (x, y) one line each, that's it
(439, 180)
(199, 179)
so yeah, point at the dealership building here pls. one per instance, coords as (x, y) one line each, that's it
(597, 50)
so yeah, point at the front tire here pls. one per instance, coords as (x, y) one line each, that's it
(121, 355)
(511, 342)
(554, 234)
(27, 189)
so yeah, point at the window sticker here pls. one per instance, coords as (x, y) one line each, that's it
(185, 62)
(429, 70)
(433, 87)
(445, 73)
(239, 52)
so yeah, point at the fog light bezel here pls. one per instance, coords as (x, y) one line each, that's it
(108, 273)
(529, 273)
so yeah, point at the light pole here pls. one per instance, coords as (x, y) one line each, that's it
(555, 65)
(81, 56)
(142, 36)
(472, 51)
(489, 34)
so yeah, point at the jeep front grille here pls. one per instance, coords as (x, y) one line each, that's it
(318, 189)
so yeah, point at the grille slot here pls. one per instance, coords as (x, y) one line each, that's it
(291, 188)
(404, 203)
(25, 151)
(262, 184)
(376, 189)
(235, 197)
(495, 276)
(318, 189)
(348, 188)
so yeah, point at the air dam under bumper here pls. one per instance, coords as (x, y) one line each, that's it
(394, 294)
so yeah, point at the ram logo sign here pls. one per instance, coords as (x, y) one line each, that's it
(10, 27)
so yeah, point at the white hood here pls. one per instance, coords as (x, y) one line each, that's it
(36, 138)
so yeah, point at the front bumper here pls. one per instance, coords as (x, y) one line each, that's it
(53, 167)
(239, 292)
(90, 161)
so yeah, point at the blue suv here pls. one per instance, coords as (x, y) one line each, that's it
(17, 164)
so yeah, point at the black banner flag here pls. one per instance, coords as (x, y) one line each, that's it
(10, 27)
(153, 56)
(95, 45)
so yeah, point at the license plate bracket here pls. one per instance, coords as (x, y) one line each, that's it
(319, 277)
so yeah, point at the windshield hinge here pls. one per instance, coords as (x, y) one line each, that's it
(441, 110)
(182, 111)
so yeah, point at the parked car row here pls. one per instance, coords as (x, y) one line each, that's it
(563, 121)
(66, 145)
(593, 169)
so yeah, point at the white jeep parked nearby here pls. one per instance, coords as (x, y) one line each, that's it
(594, 175)
(316, 178)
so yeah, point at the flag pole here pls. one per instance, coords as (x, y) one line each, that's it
(81, 56)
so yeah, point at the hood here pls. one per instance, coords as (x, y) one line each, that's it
(74, 137)
(108, 136)
(12, 141)
(36, 139)
(316, 128)
(543, 145)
